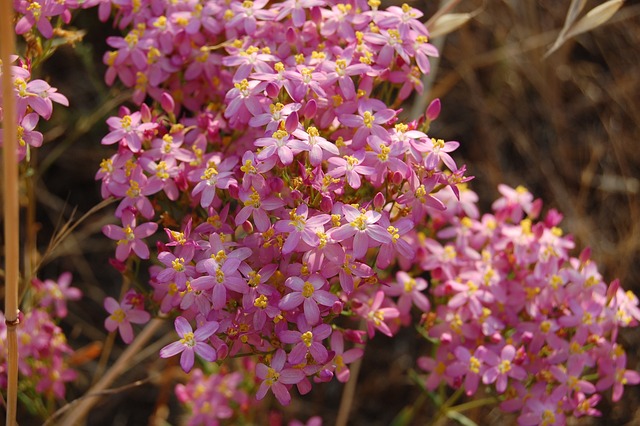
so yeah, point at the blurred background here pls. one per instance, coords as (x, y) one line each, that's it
(566, 126)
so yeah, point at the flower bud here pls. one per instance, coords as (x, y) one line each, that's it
(167, 103)
(272, 90)
(316, 14)
(247, 227)
(145, 112)
(326, 204)
(310, 109)
(433, 110)
(355, 336)
(292, 122)
(290, 34)
(324, 376)
(397, 178)
(275, 184)
(233, 191)
(378, 201)
(337, 307)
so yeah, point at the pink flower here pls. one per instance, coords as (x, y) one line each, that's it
(363, 228)
(302, 228)
(501, 368)
(342, 357)
(307, 340)
(367, 123)
(57, 293)
(129, 236)
(257, 205)
(308, 293)
(128, 129)
(350, 166)
(191, 343)
(469, 366)
(410, 291)
(276, 377)
(122, 315)
(376, 316)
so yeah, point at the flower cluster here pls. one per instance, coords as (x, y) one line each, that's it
(294, 200)
(515, 311)
(289, 185)
(43, 348)
(34, 100)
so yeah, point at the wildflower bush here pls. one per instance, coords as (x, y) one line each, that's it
(274, 204)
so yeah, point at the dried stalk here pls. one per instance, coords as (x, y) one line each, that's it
(79, 412)
(11, 207)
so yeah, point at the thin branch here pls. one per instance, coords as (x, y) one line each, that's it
(11, 206)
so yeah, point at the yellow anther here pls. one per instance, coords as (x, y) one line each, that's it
(254, 279)
(307, 338)
(312, 132)
(209, 173)
(307, 289)
(437, 143)
(248, 167)
(368, 119)
(118, 315)
(474, 365)
(178, 264)
(505, 366)
(384, 153)
(134, 189)
(360, 222)
(106, 165)
(161, 170)
(261, 302)
(188, 339)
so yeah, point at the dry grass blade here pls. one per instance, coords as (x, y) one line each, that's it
(593, 19)
(66, 229)
(574, 10)
(448, 23)
(445, 8)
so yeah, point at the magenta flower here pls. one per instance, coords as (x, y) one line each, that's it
(57, 293)
(307, 340)
(351, 167)
(410, 291)
(276, 377)
(38, 95)
(122, 315)
(376, 316)
(363, 228)
(468, 365)
(191, 343)
(276, 145)
(302, 228)
(128, 129)
(317, 146)
(257, 205)
(342, 357)
(501, 368)
(246, 13)
(129, 236)
(308, 293)
(613, 373)
(367, 123)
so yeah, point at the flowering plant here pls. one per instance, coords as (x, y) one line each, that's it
(287, 211)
